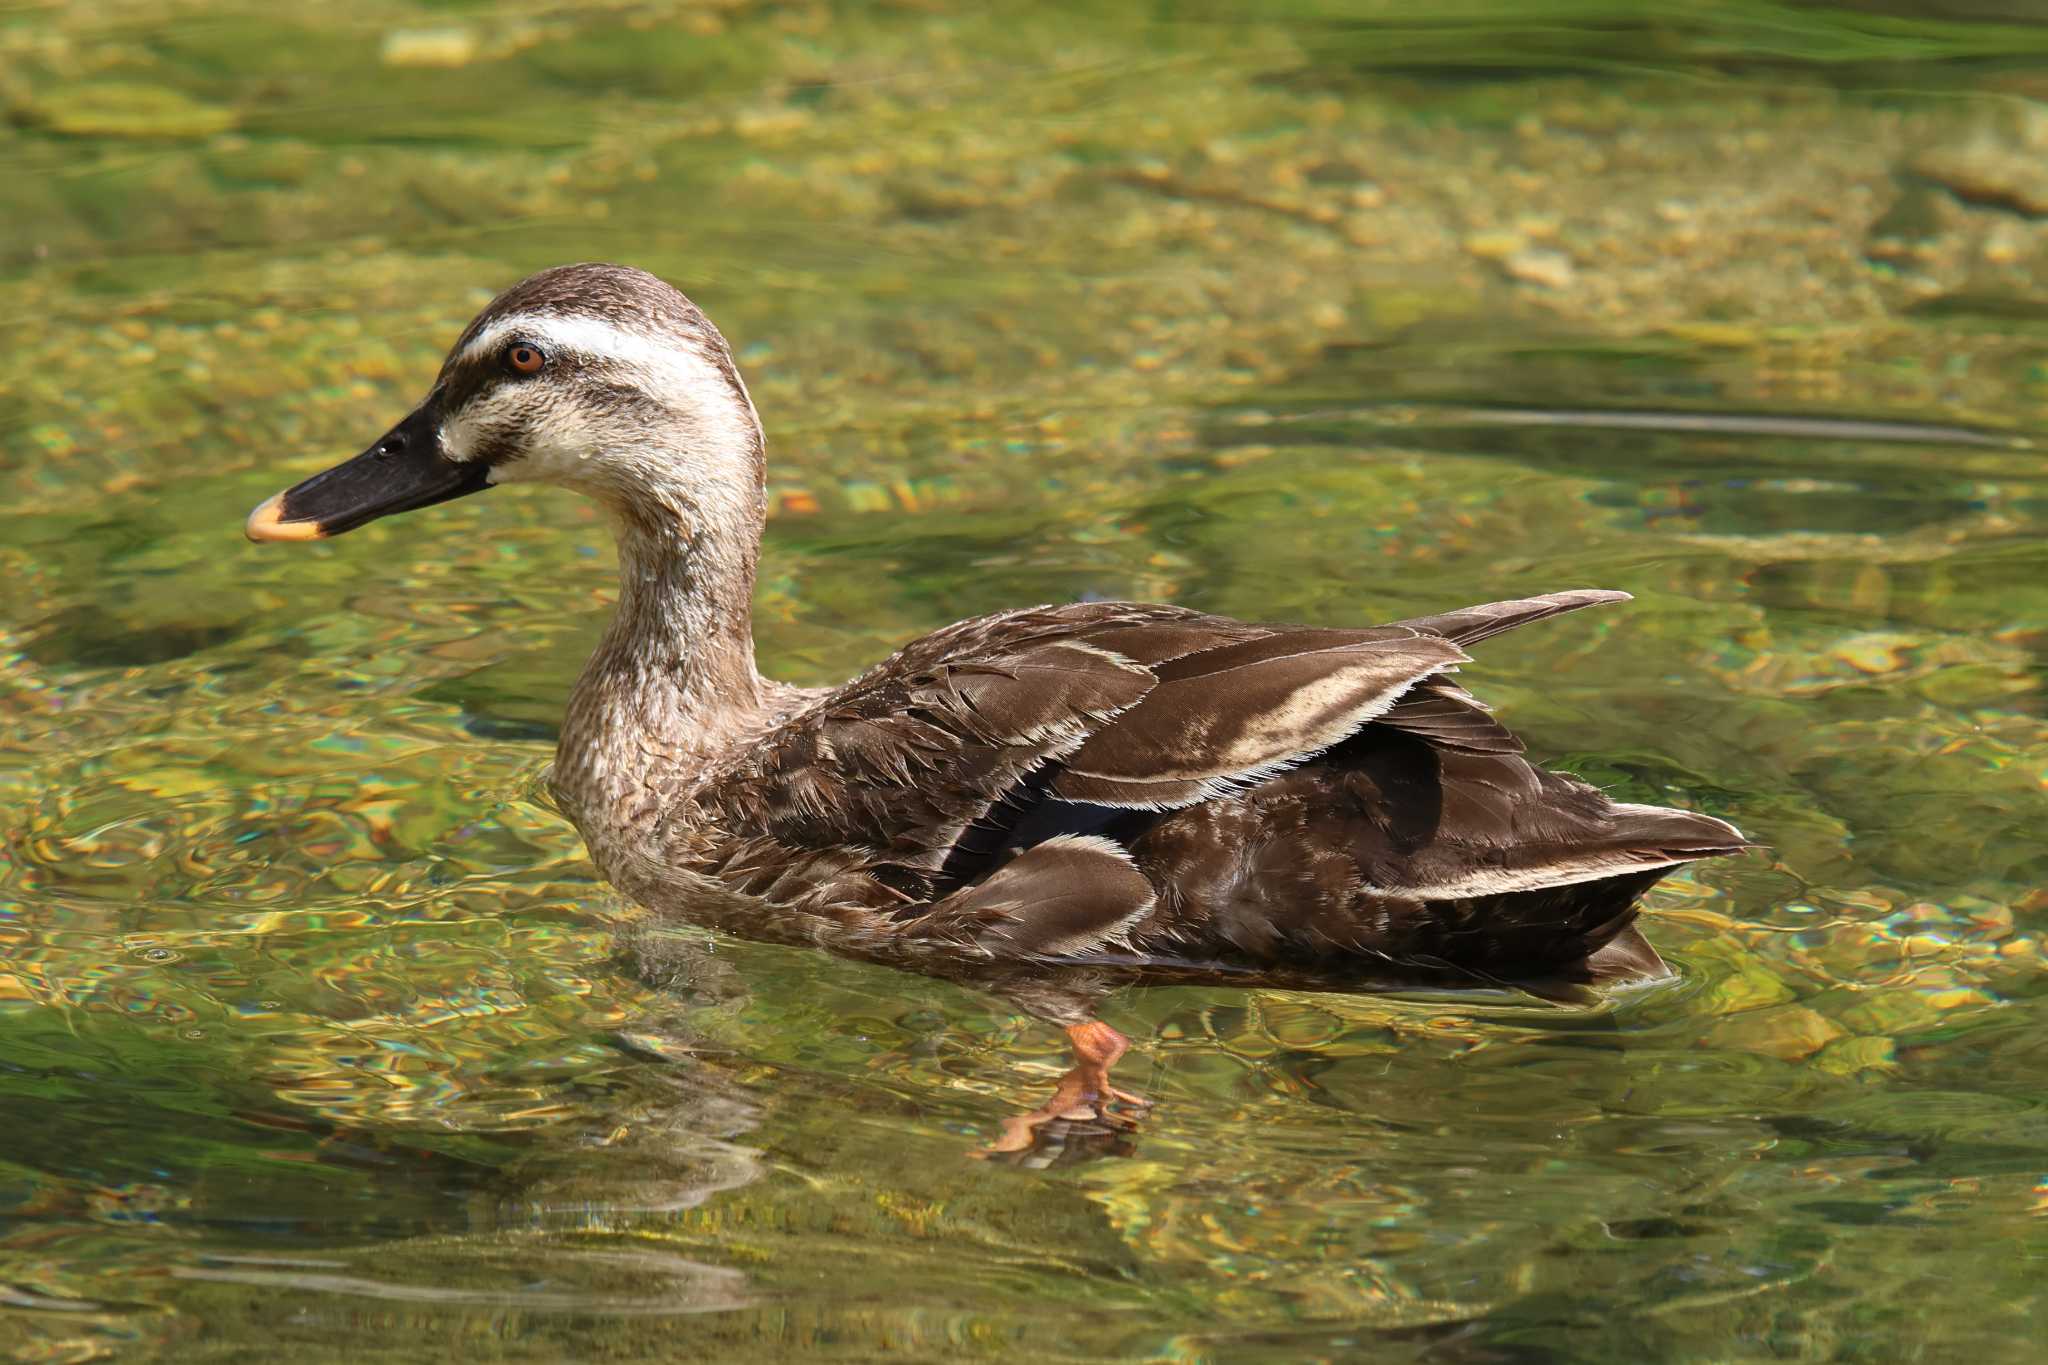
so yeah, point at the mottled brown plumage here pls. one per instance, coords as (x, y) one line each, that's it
(1116, 790)
(1320, 801)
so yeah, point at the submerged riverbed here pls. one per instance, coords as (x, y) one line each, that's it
(317, 1033)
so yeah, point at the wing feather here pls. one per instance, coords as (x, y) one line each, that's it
(1234, 714)
(1066, 895)
(1449, 717)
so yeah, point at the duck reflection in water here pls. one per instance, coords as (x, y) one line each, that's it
(1128, 791)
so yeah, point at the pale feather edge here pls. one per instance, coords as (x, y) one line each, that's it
(1117, 934)
(1232, 784)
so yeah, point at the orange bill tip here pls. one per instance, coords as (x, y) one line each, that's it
(267, 523)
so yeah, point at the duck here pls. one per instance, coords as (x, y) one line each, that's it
(1090, 792)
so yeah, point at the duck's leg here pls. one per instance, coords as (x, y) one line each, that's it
(1082, 1094)
(1069, 895)
(1097, 1048)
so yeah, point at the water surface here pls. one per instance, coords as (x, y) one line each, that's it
(317, 1033)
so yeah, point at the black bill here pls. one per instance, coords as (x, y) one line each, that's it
(402, 471)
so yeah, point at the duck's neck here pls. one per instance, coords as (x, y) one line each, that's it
(673, 683)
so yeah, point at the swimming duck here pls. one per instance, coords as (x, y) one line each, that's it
(1133, 789)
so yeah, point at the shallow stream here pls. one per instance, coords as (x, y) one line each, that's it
(318, 1037)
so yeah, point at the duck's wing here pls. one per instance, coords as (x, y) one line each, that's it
(931, 764)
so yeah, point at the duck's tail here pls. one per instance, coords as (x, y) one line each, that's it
(1578, 905)
(1573, 919)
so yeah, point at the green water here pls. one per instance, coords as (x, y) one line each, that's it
(318, 1038)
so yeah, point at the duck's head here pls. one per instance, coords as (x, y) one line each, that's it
(600, 378)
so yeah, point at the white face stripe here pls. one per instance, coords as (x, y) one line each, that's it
(578, 334)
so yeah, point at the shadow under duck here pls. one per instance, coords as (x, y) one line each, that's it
(1050, 800)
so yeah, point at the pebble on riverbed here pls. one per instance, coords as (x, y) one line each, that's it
(1991, 172)
(449, 47)
(122, 109)
(1519, 260)
(1787, 1032)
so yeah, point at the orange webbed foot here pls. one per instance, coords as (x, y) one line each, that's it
(1078, 1121)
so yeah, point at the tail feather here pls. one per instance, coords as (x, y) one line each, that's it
(1627, 959)
(1683, 834)
(1577, 932)
(1472, 624)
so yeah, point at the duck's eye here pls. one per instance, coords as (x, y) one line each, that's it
(521, 358)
